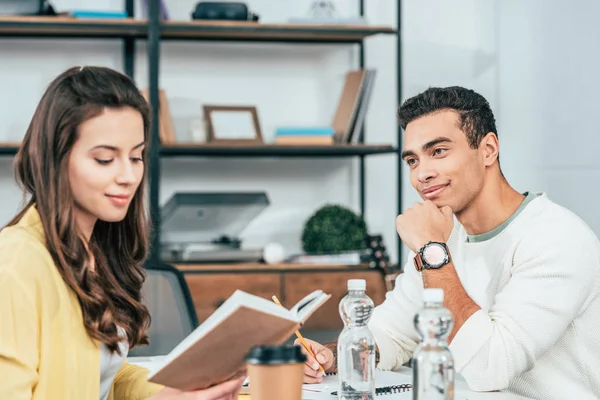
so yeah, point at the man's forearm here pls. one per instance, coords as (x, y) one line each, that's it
(456, 298)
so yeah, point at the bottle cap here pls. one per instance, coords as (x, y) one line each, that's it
(357, 284)
(271, 355)
(433, 295)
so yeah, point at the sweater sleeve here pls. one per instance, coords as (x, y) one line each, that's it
(392, 321)
(131, 383)
(551, 277)
(19, 338)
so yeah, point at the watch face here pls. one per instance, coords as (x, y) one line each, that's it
(434, 255)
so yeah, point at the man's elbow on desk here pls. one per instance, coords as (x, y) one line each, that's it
(488, 355)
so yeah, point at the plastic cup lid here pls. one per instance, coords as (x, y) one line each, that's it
(270, 355)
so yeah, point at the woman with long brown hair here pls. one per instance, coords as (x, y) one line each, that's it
(71, 261)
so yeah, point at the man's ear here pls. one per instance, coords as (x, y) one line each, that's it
(489, 147)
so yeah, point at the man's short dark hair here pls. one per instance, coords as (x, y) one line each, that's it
(475, 115)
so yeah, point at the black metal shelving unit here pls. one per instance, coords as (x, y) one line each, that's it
(9, 150)
(274, 151)
(154, 31)
(399, 129)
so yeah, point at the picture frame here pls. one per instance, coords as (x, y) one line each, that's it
(235, 125)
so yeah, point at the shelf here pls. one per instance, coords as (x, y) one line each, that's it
(252, 31)
(267, 150)
(192, 267)
(67, 27)
(273, 150)
(8, 149)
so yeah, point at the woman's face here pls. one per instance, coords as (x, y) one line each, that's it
(106, 166)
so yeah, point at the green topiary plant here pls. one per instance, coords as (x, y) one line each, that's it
(334, 229)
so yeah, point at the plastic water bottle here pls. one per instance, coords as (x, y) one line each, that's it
(433, 364)
(356, 345)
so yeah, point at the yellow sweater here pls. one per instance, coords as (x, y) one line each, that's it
(45, 351)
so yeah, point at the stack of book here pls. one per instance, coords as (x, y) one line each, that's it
(304, 136)
(348, 120)
(352, 108)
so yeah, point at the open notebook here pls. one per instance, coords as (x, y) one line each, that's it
(387, 383)
(216, 350)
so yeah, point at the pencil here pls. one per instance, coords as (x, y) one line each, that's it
(304, 344)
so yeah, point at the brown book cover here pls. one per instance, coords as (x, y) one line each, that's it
(354, 136)
(216, 350)
(343, 120)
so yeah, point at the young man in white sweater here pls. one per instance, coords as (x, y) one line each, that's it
(521, 274)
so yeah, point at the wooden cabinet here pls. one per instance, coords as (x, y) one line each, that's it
(209, 291)
(298, 284)
(210, 285)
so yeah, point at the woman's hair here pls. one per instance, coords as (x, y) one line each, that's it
(110, 291)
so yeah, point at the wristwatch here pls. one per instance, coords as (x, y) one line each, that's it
(433, 255)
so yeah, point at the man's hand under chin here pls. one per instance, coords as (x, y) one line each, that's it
(424, 222)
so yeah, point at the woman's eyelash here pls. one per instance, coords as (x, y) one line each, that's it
(106, 162)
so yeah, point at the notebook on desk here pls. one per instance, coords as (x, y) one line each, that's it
(386, 383)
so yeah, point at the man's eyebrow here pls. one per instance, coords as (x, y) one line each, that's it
(407, 153)
(436, 141)
(427, 146)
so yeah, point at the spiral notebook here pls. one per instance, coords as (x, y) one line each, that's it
(387, 383)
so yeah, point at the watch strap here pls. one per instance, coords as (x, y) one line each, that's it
(418, 261)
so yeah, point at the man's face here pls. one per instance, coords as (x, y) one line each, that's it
(443, 168)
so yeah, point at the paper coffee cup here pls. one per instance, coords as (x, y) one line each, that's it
(276, 372)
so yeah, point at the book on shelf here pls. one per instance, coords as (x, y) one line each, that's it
(355, 133)
(98, 14)
(215, 351)
(353, 105)
(347, 107)
(348, 119)
(304, 136)
(304, 131)
(304, 140)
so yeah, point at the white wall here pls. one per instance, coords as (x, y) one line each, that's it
(535, 61)
(549, 83)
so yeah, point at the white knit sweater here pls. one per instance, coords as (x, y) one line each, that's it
(537, 282)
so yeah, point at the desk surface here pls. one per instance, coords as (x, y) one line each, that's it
(462, 392)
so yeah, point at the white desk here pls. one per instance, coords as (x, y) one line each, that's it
(462, 392)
